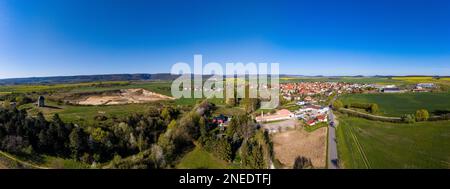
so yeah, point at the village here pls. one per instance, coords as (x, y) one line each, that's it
(313, 99)
(312, 102)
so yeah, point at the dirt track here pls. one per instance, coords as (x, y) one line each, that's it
(290, 144)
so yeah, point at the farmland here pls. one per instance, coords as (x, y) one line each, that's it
(370, 144)
(56, 87)
(405, 103)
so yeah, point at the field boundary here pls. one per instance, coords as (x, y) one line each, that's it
(22, 162)
(370, 116)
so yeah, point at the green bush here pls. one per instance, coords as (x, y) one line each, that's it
(337, 104)
(422, 115)
(408, 118)
(369, 107)
(371, 117)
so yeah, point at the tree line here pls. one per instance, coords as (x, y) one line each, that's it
(157, 138)
(25, 135)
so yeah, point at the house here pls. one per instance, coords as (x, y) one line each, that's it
(321, 118)
(277, 116)
(221, 119)
(41, 101)
(420, 89)
(301, 103)
(425, 85)
(391, 90)
(311, 122)
(323, 110)
(310, 108)
(308, 98)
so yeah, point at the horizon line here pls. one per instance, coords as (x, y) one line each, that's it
(297, 75)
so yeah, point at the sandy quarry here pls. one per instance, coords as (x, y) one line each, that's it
(290, 144)
(125, 96)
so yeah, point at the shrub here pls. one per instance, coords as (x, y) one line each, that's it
(422, 115)
(365, 106)
(374, 108)
(337, 104)
(371, 117)
(302, 163)
(408, 118)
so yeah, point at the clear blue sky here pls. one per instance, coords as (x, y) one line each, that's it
(336, 37)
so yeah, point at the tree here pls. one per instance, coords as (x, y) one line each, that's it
(223, 149)
(157, 157)
(165, 114)
(172, 125)
(169, 113)
(7, 104)
(14, 144)
(241, 125)
(252, 155)
(422, 115)
(374, 108)
(142, 142)
(251, 104)
(167, 145)
(302, 163)
(77, 142)
(99, 135)
(337, 104)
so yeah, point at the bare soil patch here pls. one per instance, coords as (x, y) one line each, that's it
(291, 144)
(124, 96)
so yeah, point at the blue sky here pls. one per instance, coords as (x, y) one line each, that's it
(334, 37)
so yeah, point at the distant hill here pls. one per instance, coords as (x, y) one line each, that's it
(87, 78)
(138, 77)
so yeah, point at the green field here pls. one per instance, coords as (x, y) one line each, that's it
(201, 159)
(405, 103)
(370, 144)
(86, 114)
(55, 87)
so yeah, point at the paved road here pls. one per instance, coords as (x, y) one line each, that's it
(332, 146)
(333, 161)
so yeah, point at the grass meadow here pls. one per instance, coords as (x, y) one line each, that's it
(371, 144)
(201, 159)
